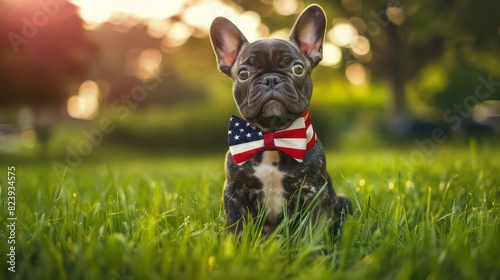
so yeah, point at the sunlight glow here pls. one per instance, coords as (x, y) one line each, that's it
(99, 11)
(124, 21)
(201, 16)
(157, 9)
(175, 21)
(95, 11)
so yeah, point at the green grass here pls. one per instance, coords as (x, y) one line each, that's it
(163, 219)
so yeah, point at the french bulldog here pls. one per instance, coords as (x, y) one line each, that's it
(272, 88)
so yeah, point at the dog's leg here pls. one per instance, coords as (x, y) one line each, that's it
(342, 208)
(233, 209)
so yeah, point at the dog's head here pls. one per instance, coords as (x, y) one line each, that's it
(271, 77)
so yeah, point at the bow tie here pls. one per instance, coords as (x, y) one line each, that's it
(246, 140)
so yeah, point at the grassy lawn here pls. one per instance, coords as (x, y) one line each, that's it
(415, 218)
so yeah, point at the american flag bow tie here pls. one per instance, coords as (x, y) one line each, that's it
(246, 140)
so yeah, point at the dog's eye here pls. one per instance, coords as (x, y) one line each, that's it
(298, 69)
(243, 74)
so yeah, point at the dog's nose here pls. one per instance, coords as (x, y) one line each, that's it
(271, 81)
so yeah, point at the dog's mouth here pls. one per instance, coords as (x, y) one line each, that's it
(275, 116)
(273, 109)
(273, 106)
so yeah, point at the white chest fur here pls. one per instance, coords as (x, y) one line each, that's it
(272, 181)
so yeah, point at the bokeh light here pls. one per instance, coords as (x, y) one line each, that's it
(286, 7)
(359, 24)
(25, 117)
(360, 45)
(342, 33)
(148, 64)
(396, 15)
(486, 111)
(157, 28)
(85, 104)
(356, 74)
(352, 5)
(332, 55)
(249, 23)
(177, 34)
(28, 138)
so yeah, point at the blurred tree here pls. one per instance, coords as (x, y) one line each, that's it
(406, 36)
(123, 52)
(43, 48)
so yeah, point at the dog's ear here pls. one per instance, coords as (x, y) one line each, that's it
(227, 41)
(309, 31)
